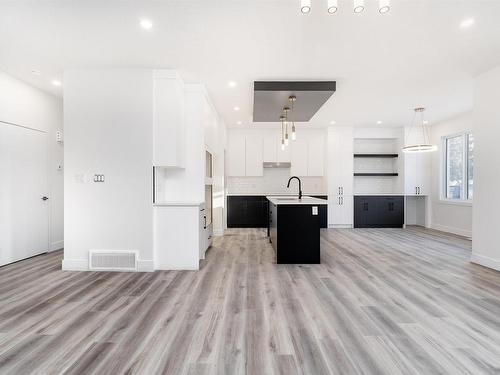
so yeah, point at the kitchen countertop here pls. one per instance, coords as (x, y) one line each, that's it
(180, 203)
(277, 200)
(271, 194)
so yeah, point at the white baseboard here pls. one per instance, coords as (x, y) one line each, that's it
(458, 231)
(485, 261)
(75, 265)
(145, 266)
(218, 232)
(56, 245)
(339, 226)
(83, 265)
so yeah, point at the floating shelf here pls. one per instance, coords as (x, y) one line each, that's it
(376, 155)
(376, 174)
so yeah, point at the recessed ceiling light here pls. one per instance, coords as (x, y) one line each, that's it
(239, 122)
(146, 24)
(236, 109)
(379, 122)
(35, 72)
(333, 122)
(305, 6)
(333, 6)
(56, 82)
(232, 84)
(384, 6)
(426, 122)
(359, 6)
(468, 22)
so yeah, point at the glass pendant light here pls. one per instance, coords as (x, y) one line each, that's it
(420, 133)
(282, 119)
(292, 99)
(359, 6)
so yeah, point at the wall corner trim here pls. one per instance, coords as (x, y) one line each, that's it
(485, 261)
(57, 245)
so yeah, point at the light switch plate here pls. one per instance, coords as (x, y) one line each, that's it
(315, 210)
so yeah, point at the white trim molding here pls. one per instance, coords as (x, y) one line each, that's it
(485, 261)
(75, 265)
(57, 245)
(145, 265)
(457, 231)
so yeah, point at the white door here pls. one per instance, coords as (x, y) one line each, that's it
(411, 174)
(24, 221)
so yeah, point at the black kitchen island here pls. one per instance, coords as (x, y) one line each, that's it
(294, 229)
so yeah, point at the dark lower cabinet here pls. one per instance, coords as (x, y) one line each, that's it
(247, 212)
(378, 211)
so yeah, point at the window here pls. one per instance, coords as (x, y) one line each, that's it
(459, 167)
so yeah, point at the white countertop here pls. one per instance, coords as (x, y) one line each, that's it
(277, 200)
(180, 203)
(274, 194)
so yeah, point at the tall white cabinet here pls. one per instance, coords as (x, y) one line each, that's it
(417, 173)
(340, 177)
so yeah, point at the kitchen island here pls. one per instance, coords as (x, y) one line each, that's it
(294, 229)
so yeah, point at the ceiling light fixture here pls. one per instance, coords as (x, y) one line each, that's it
(56, 82)
(379, 122)
(333, 6)
(232, 84)
(305, 6)
(236, 109)
(384, 6)
(239, 122)
(359, 6)
(282, 119)
(465, 24)
(285, 111)
(146, 24)
(421, 142)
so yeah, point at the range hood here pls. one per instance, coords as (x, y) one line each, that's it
(268, 164)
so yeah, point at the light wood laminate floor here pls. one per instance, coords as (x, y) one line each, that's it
(383, 301)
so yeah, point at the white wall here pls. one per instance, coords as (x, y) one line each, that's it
(486, 222)
(447, 216)
(24, 105)
(108, 118)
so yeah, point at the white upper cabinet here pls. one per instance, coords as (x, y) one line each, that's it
(299, 157)
(340, 161)
(236, 158)
(168, 119)
(270, 149)
(254, 156)
(417, 173)
(316, 157)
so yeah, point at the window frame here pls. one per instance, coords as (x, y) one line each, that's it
(464, 193)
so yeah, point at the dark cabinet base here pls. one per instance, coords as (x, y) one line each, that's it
(378, 211)
(295, 234)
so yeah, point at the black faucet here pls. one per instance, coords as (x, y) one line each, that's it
(300, 185)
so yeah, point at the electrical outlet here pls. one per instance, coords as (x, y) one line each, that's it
(98, 178)
(59, 137)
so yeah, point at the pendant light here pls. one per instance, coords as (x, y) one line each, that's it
(305, 6)
(420, 133)
(333, 6)
(292, 100)
(285, 111)
(359, 6)
(282, 119)
(384, 6)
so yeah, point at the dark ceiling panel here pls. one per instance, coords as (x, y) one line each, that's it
(271, 96)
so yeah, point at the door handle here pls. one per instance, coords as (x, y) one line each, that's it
(45, 198)
(205, 222)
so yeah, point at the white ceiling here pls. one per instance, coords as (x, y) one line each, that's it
(417, 55)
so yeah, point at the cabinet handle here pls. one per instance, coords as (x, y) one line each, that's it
(205, 222)
(339, 190)
(339, 201)
(342, 201)
(419, 190)
(416, 190)
(342, 190)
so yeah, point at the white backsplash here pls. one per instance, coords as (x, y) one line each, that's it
(274, 182)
